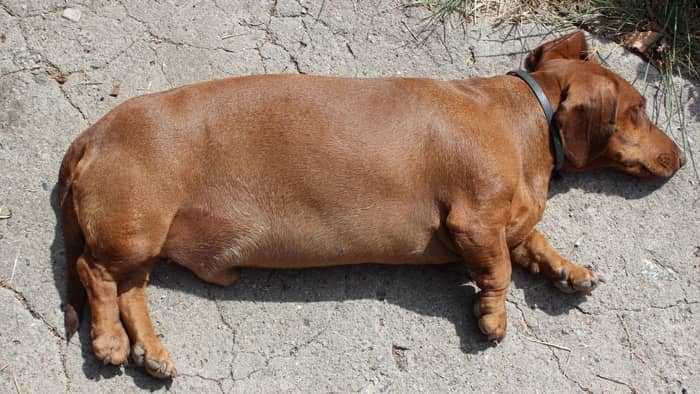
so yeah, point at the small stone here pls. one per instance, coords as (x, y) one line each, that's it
(26, 59)
(289, 8)
(5, 212)
(641, 40)
(655, 271)
(58, 77)
(116, 88)
(72, 14)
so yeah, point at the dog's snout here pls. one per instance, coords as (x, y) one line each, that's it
(671, 161)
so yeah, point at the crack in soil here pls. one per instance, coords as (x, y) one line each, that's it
(60, 339)
(677, 303)
(22, 299)
(74, 105)
(522, 313)
(233, 340)
(273, 41)
(157, 39)
(262, 58)
(219, 382)
(15, 72)
(562, 369)
(8, 10)
(161, 65)
(50, 66)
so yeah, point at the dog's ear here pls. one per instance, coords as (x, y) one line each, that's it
(586, 118)
(571, 46)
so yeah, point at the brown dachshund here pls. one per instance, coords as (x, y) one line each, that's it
(292, 171)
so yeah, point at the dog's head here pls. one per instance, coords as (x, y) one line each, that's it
(602, 117)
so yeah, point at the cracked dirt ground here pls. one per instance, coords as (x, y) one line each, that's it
(361, 328)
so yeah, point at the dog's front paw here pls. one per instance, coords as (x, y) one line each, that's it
(154, 358)
(111, 346)
(575, 278)
(493, 325)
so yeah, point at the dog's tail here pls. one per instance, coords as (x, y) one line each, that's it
(72, 234)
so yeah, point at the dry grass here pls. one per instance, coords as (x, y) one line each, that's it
(677, 21)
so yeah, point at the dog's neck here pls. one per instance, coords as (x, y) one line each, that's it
(549, 114)
(536, 139)
(551, 85)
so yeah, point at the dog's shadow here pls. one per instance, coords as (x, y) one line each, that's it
(607, 182)
(427, 290)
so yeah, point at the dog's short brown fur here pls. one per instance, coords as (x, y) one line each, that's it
(291, 171)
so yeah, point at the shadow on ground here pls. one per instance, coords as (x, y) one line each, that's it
(607, 182)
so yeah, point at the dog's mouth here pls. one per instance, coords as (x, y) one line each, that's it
(643, 170)
(645, 161)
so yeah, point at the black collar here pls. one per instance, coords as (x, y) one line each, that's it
(549, 113)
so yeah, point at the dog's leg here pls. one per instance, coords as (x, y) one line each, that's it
(537, 255)
(109, 340)
(147, 351)
(486, 253)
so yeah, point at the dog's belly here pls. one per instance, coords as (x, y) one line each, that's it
(202, 239)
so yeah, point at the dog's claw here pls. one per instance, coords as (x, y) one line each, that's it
(477, 309)
(534, 268)
(156, 368)
(152, 365)
(159, 370)
(107, 360)
(584, 286)
(137, 354)
(564, 286)
(564, 274)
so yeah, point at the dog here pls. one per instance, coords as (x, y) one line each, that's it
(292, 171)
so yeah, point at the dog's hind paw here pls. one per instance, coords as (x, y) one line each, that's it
(492, 325)
(111, 347)
(155, 362)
